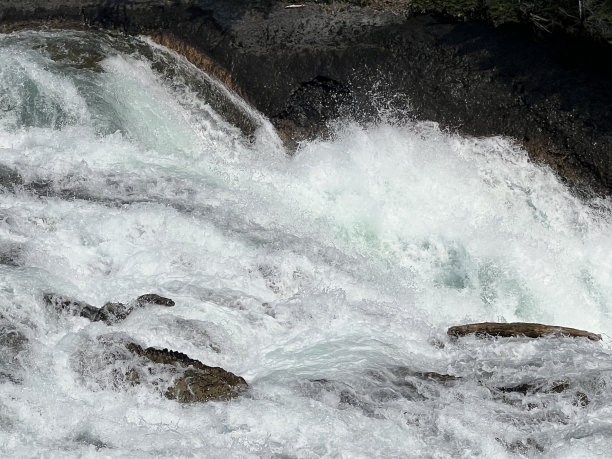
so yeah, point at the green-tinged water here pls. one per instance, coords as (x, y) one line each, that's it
(326, 279)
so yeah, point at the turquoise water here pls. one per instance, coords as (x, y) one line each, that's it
(327, 279)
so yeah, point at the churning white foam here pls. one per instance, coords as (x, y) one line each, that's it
(326, 279)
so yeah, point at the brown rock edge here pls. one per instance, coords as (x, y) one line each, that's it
(198, 383)
(529, 330)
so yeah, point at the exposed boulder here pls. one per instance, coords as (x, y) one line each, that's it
(529, 330)
(110, 313)
(198, 382)
(116, 362)
(152, 298)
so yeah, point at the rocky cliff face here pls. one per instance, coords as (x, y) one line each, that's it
(304, 66)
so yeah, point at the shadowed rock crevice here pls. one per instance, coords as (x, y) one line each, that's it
(110, 313)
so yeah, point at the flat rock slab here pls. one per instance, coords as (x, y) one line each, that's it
(529, 330)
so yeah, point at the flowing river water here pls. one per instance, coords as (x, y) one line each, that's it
(327, 279)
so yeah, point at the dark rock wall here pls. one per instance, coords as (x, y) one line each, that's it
(305, 66)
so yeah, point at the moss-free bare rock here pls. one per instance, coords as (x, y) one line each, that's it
(198, 382)
(153, 298)
(529, 330)
(114, 361)
(110, 313)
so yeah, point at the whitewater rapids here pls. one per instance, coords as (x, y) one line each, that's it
(327, 279)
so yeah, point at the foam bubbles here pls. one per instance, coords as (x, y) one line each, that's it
(326, 279)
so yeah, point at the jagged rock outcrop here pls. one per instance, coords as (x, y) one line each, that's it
(529, 330)
(198, 382)
(303, 67)
(115, 361)
(110, 313)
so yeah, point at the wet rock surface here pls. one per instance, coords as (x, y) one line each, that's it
(198, 382)
(115, 361)
(514, 329)
(110, 313)
(118, 362)
(304, 67)
(153, 298)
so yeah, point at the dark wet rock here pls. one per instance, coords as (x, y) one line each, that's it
(343, 395)
(514, 329)
(152, 298)
(87, 438)
(71, 306)
(198, 382)
(116, 362)
(581, 399)
(110, 313)
(202, 386)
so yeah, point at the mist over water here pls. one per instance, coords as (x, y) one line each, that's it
(327, 279)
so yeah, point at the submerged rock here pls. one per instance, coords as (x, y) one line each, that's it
(544, 387)
(513, 329)
(110, 313)
(12, 343)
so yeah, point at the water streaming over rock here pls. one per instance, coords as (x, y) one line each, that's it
(326, 279)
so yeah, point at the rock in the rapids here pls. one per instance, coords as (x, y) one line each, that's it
(198, 382)
(529, 330)
(110, 313)
(71, 306)
(543, 387)
(152, 298)
(114, 361)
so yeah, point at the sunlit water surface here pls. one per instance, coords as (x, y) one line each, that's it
(326, 279)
